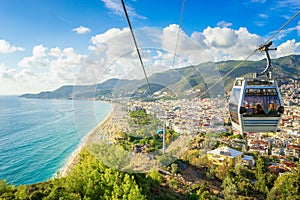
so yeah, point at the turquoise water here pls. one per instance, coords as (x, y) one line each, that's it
(37, 136)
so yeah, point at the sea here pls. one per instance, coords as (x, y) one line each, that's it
(37, 136)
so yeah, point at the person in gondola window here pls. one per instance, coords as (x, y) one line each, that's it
(250, 109)
(272, 109)
(259, 109)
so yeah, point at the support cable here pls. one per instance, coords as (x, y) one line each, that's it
(282, 27)
(136, 46)
(178, 33)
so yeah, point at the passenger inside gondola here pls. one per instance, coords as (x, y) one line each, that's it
(259, 109)
(250, 109)
(272, 109)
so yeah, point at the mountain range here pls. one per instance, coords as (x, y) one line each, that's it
(210, 76)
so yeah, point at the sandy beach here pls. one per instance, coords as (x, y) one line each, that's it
(73, 159)
(115, 121)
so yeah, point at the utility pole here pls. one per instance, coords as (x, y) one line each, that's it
(164, 138)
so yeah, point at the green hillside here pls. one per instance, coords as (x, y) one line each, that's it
(180, 81)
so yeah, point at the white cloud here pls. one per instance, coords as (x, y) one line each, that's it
(286, 32)
(169, 37)
(54, 65)
(226, 43)
(82, 30)
(259, 23)
(30, 80)
(38, 58)
(6, 47)
(287, 48)
(189, 49)
(224, 24)
(101, 38)
(290, 4)
(6, 72)
(65, 67)
(258, 1)
(15, 82)
(26, 75)
(285, 8)
(263, 16)
(220, 37)
(111, 44)
(113, 55)
(56, 52)
(39, 51)
(116, 7)
(23, 75)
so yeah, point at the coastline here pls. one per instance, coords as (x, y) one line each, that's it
(88, 139)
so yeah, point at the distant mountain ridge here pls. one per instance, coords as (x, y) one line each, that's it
(83, 91)
(199, 77)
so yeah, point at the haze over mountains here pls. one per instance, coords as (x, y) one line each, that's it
(178, 81)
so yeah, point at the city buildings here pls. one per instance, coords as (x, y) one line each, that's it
(225, 156)
(194, 116)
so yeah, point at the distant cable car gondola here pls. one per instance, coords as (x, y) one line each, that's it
(255, 104)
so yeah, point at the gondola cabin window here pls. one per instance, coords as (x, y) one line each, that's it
(262, 96)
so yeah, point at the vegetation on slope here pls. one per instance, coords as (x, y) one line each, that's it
(194, 177)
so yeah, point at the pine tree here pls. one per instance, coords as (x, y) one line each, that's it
(230, 190)
(261, 175)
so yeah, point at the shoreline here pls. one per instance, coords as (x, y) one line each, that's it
(72, 160)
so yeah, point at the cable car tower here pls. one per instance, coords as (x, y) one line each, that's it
(255, 104)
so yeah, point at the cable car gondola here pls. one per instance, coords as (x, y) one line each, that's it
(255, 104)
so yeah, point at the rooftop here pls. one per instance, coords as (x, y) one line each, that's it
(227, 151)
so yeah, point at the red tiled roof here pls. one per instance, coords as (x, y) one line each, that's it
(289, 164)
(277, 169)
(296, 147)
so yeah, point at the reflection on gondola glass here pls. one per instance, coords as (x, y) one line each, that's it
(233, 104)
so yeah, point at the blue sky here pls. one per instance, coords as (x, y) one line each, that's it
(48, 43)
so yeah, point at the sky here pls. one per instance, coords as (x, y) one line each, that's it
(45, 44)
